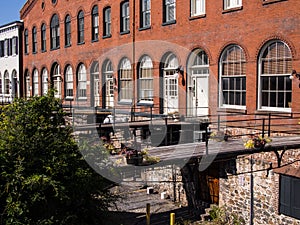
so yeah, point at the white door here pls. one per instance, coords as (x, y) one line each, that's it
(109, 95)
(96, 91)
(170, 92)
(200, 95)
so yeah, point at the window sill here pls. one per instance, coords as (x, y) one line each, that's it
(145, 103)
(125, 102)
(232, 110)
(232, 9)
(34, 53)
(266, 2)
(81, 43)
(82, 98)
(106, 36)
(43, 51)
(95, 40)
(69, 98)
(124, 32)
(68, 46)
(144, 28)
(52, 49)
(197, 17)
(274, 110)
(169, 23)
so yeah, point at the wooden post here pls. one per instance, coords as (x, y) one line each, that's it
(172, 219)
(148, 213)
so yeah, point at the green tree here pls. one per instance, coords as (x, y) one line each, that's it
(44, 177)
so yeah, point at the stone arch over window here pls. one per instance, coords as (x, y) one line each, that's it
(232, 78)
(145, 80)
(125, 81)
(274, 84)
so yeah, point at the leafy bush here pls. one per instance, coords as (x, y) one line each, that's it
(44, 178)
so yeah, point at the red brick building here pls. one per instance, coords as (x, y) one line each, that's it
(194, 56)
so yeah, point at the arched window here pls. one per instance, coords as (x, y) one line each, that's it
(35, 82)
(27, 84)
(125, 81)
(170, 84)
(107, 22)
(6, 83)
(56, 78)
(26, 42)
(233, 78)
(145, 81)
(80, 27)
(44, 81)
(68, 30)
(108, 84)
(34, 40)
(274, 85)
(54, 32)
(81, 81)
(43, 37)
(69, 82)
(198, 83)
(95, 23)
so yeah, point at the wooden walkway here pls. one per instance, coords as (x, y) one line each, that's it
(222, 149)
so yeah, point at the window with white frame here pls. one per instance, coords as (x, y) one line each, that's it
(125, 16)
(68, 30)
(108, 83)
(69, 82)
(229, 4)
(95, 23)
(81, 81)
(35, 82)
(27, 84)
(6, 83)
(275, 86)
(44, 81)
(125, 81)
(34, 40)
(54, 32)
(145, 13)
(107, 22)
(233, 77)
(15, 45)
(56, 78)
(169, 11)
(80, 27)
(43, 38)
(197, 7)
(145, 87)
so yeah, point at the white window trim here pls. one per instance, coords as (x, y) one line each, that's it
(230, 4)
(194, 4)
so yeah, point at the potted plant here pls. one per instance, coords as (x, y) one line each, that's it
(257, 141)
(134, 157)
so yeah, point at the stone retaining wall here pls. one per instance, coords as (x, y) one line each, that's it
(235, 192)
